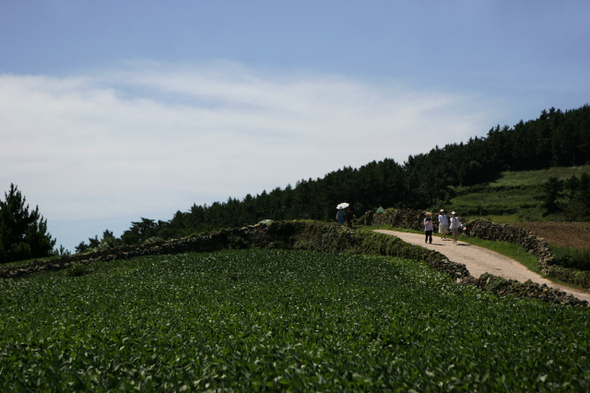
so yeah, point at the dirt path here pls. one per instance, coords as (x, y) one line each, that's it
(480, 260)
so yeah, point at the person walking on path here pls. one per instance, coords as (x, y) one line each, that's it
(340, 216)
(428, 227)
(443, 224)
(455, 226)
(349, 215)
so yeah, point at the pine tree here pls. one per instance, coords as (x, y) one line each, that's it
(23, 232)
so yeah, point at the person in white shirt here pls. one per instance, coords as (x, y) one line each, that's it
(454, 226)
(443, 224)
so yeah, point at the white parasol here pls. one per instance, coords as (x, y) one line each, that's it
(343, 205)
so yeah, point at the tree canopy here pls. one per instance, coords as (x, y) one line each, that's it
(23, 232)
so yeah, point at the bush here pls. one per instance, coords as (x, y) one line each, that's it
(78, 270)
(572, 258)
(571, 276)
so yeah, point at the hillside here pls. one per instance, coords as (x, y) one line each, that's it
(513, 198)
(475, 178)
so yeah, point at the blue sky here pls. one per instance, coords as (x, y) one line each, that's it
(115, 110)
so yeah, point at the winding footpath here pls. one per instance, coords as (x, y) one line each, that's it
(479, 260)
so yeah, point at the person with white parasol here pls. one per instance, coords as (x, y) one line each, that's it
(340, 213)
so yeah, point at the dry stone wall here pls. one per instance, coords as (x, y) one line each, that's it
(488, 230)
(402, 218)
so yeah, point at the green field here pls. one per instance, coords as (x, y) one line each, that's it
(514, 197)
(264, 320)
(535, 178)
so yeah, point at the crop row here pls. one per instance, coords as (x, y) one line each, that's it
(275, 319)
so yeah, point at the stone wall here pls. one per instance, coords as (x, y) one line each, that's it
(401, 218)
(315, 236)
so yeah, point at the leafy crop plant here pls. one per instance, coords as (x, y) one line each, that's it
(267, 320)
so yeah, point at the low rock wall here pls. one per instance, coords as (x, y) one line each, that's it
(401, 218)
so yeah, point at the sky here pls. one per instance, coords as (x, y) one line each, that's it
(111, 111)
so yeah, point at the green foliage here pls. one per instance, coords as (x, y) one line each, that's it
(534, 178)
(570, 257)
(78, 270)
(580, 278)
(141, 231)
(281, 320)
(23, 232)
(569, 198)
(108, 241)
(480, 201)
(518, 196)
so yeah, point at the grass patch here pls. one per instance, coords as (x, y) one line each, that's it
(505, 219)
(487, 201)
(535, 178)
(399, 229)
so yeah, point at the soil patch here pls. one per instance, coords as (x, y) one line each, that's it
(564, 234)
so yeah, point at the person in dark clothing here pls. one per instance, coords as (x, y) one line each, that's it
(340, 217)
(349, 215)
(428, 227)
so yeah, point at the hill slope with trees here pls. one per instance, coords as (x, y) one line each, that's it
(556, 138)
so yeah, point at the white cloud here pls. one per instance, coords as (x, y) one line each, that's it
(152, 139)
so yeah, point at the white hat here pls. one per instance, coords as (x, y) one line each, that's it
(453, 213)
(442, 210)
